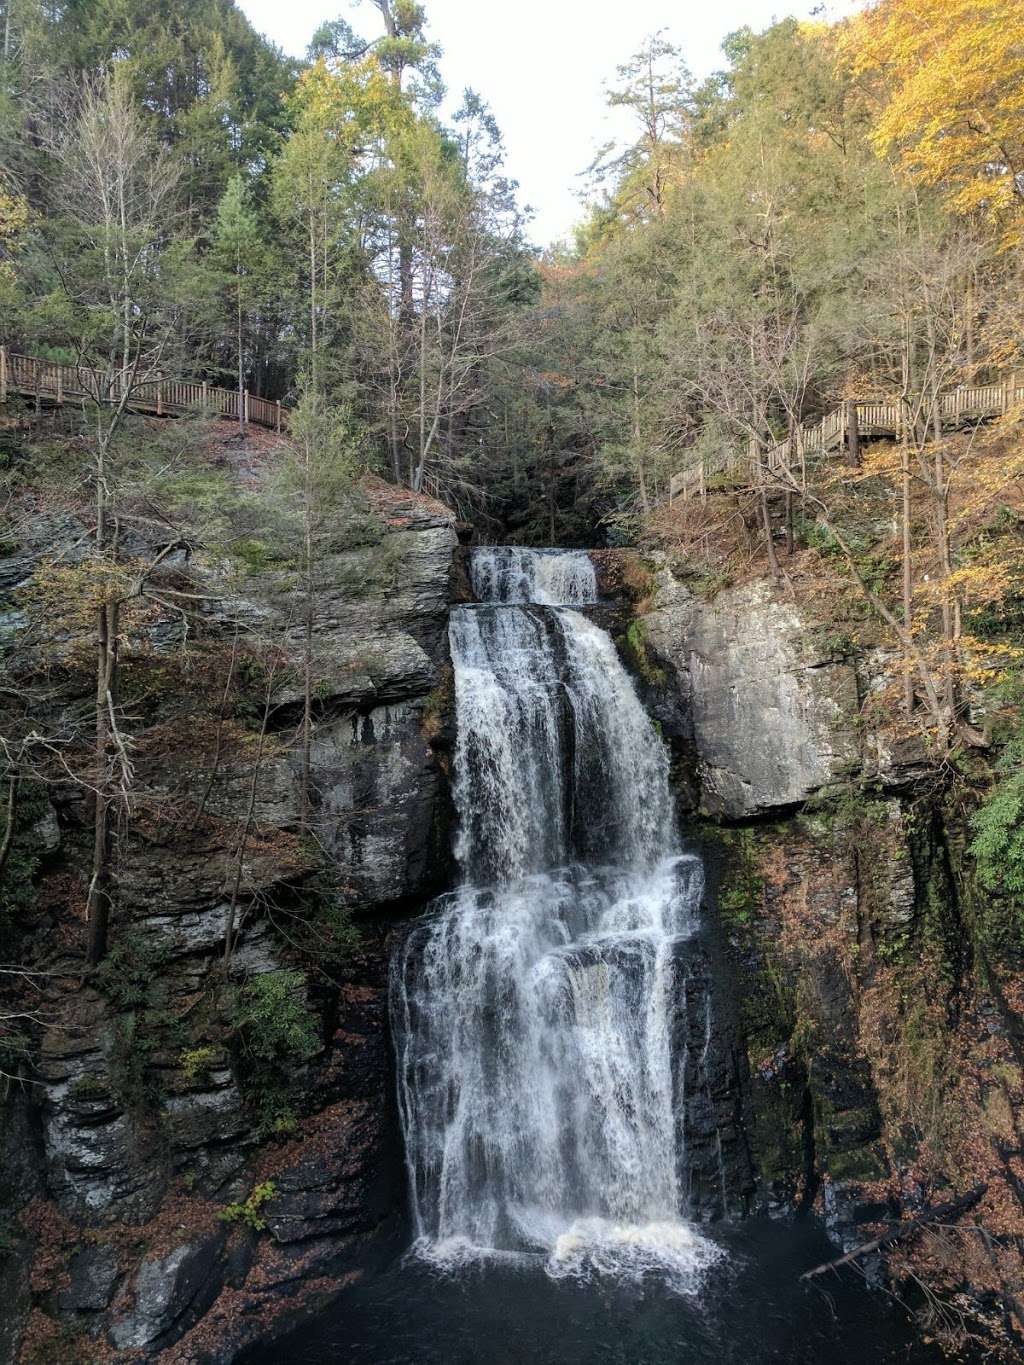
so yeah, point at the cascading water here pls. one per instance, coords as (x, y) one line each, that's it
(568, 1098)
(537, 1009)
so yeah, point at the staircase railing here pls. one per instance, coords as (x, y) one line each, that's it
(868, 418)
(45, 379)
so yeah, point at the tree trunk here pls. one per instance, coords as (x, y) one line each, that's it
(307, 661)
(9, 822)
(908, 580)
(231, 923)
(241, 367)
(766, 524)
(97, 905)
(97, 908)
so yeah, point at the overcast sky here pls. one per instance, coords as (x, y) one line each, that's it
(542, 66)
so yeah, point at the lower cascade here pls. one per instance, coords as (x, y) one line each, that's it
(548, 1024)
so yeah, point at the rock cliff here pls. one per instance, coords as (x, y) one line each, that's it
(870, 987)
(175, 1084)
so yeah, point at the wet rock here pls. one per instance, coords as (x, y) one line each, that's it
(94, 1272)
(208, 1116)
(98, 1163)
(165, 1289)
(773, 711)
(111, 1154)
(716, 1172)
(379, 619)
(338, 1193)
(45, 833)
(378, 794)
(21, 1166)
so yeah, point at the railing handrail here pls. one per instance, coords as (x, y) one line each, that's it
(165, 396)
(874, 417)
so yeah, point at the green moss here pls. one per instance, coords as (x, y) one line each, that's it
(638, 653)
(845, 808)
(90, 1087)
(857, 1164)
(257, 556)
(438, 703)
(741, 891)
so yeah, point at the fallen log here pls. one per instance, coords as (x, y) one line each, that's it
(901, 1232)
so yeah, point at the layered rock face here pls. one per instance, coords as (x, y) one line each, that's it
(874, 994)
(772, 708)
(151, 1115)
(768, 707)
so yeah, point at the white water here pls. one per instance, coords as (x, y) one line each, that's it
(535, 1009)
(551, 578)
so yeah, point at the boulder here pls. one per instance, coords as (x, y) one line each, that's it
(165, 1288)
(773, 710)
(93, 1273)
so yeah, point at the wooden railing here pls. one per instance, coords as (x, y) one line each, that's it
(44, 380)
(863, 419)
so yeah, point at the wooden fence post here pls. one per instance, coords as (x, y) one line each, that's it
(3, 374)
(852, 434)
(206, 397)
(245, 408)
(160, 397)
(60, 385)
(279, 417)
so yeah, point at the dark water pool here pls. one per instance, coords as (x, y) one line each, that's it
(754, 1310)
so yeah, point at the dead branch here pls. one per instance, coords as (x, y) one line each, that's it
(902, 1232)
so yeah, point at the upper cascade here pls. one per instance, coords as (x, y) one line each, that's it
(550, 578)
(555, 757)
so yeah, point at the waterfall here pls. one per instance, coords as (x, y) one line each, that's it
(551, 578)
(538, 1009)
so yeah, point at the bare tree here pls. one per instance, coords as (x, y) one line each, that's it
(117, 191)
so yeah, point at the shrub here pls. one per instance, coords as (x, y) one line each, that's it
(17, 883)
(272, 1020)
(999, 827)
(195, 1062)
(274, 1029)
(248, 1212)
(127, 974)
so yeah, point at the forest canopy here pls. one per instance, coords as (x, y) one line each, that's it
(799, 227)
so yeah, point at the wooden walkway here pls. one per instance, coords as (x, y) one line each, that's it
(862, 420)
(44, 380)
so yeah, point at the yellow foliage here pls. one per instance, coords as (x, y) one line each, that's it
(14, 215)
(347, 101)
(949, 79)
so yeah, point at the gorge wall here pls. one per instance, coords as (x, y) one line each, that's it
(866, 1060)
(172, 1086)
(877, 989)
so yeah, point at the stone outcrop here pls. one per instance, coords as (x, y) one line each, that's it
(869, 989)
(772, 709)
(164, 1289)
(124, 1120)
